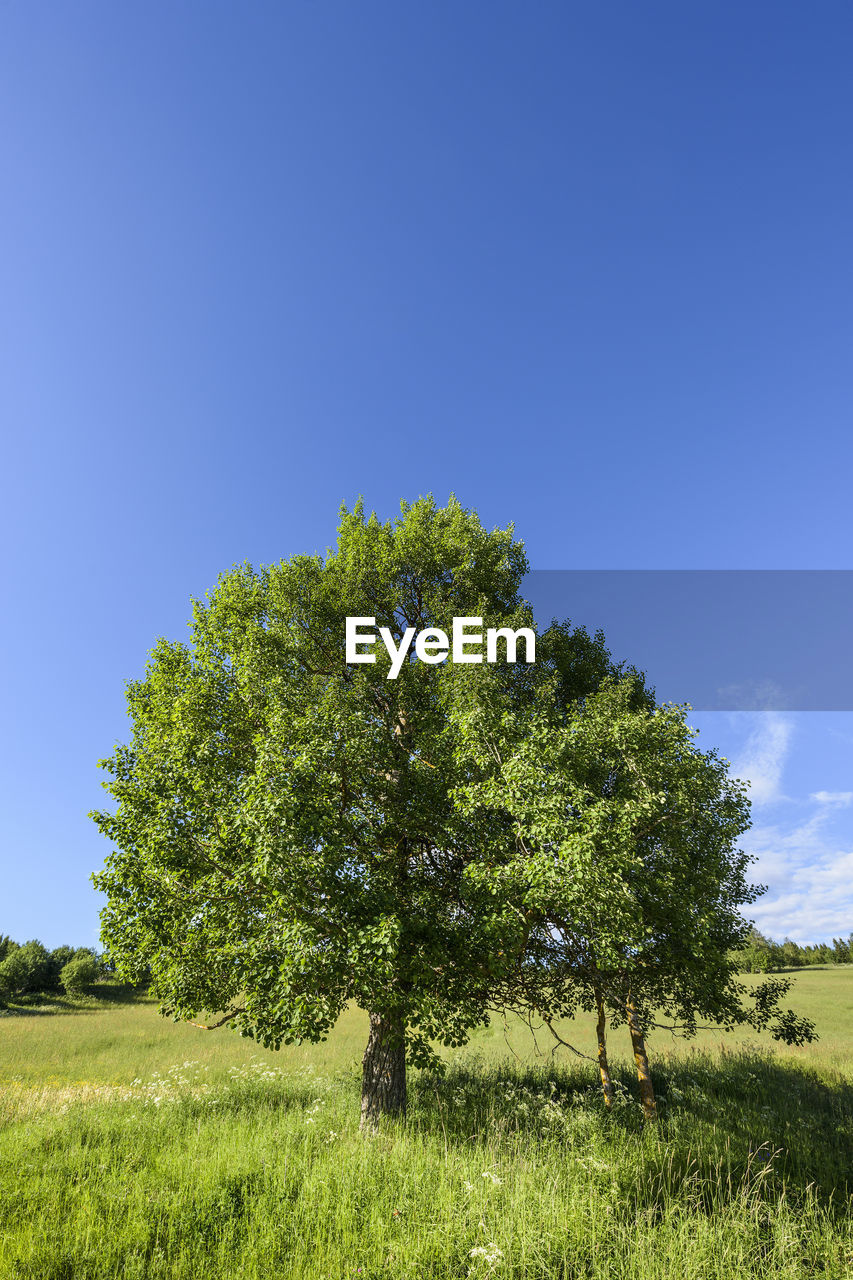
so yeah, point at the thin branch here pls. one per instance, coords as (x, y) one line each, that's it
(565, 1043)
(235, 1013)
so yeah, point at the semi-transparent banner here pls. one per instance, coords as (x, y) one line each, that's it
(720, 639)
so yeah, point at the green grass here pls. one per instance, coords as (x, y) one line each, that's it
(133, 1147)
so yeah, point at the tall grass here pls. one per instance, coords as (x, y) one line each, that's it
(501, 1170)
(134, 1148)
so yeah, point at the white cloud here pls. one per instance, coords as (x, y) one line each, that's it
(763, 757)
(809, 878)
(837, 799)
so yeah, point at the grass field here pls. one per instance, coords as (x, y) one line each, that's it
(134, 1147)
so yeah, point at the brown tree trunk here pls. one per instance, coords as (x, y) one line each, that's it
(383, 1079)
(603, 1067)
(647, 1093)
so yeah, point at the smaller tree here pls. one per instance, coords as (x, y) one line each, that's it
(25, 970)
(759, 954)
(626, 868)
(80, 974)
(59, 958)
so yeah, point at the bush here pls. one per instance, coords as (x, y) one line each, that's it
(81, 973)
(24, 970)
(59, 958)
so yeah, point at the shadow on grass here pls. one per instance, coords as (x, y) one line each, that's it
(745, 1123)
(791, 1116)
(53, 1003)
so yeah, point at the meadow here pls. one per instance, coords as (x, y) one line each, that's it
(134, 1147)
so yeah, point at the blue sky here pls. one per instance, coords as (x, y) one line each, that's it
(589, 267)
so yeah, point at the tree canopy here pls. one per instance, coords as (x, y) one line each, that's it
(293, 832)
(285, 836)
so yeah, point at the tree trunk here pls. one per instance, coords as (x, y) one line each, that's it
(647, 1093)
(603, 1067)
(383, 1079)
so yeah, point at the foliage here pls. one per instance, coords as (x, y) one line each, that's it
(293, 833)
(59, 958)
(30, 970)
(25, 970)
(285, 839)
(760, 954)
(626, 866)
(80, 974)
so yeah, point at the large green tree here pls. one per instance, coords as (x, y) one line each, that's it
(285, 839)
(294, 831)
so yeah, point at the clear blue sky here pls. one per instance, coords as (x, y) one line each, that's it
(589, 267)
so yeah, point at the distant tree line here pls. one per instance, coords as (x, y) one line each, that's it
(763, 955)
(29, 969)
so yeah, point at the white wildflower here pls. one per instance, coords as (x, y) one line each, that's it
(490, 1254)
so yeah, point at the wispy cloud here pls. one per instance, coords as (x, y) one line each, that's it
(763, 756)
(836, 799)
(809, 875)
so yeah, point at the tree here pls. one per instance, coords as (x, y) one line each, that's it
(759, 954)
(25, 970)
(626, 866)
(59, 958)
(81, 973)
(792, 955)
(432, 840)
(285, 838)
